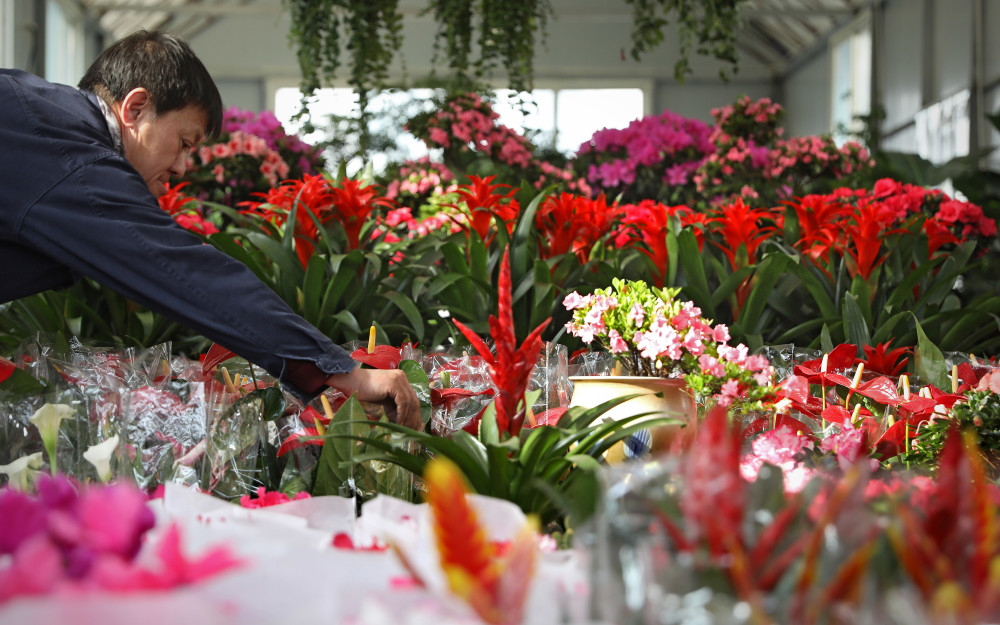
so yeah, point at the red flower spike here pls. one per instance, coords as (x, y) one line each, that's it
(740, 225)
(511, 368)
(353, 201)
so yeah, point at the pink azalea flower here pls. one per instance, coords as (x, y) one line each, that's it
(618, 345)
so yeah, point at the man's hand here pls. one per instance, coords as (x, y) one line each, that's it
(388, 387)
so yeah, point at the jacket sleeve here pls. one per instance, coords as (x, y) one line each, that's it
(101, 221)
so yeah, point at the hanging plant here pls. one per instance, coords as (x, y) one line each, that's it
(371, 30)
(508, 31)
(709, 27)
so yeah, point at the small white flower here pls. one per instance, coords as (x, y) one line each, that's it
(100, 454)
(21, 471)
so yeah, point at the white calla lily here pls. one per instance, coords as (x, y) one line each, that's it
(47, 419)
(100, 454)
(20, 473)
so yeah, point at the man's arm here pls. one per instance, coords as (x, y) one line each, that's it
(102, 222)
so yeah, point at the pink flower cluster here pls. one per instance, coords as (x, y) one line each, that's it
(466, 124)
(421, 178)
(655, 149)
(69, 539)
(272, 166)
(782, 448)
(752, 120)
(306, 158)
(662, 336)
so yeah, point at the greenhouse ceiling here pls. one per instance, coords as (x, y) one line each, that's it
(775, 33)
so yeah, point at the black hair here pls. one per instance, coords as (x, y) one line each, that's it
(165, 66)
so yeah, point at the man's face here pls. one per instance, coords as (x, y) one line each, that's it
(158, 145)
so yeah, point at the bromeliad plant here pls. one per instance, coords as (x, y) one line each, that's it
(654, 333)
(547, 470)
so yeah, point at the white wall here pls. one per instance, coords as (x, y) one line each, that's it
(806, 98)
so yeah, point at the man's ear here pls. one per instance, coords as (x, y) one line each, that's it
(136, 104)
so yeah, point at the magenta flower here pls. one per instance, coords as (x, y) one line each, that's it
(21, 517)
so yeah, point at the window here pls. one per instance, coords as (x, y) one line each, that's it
(850, 74)
(64, 43)
(563, 118)
(943, 129)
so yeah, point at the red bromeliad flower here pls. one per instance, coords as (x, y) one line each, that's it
(185, 211)
(647, 223)
(352, 203)
(173, 201)
(879, 359)
(938, 235)
(511, 368)
(741, 229)
(573, 224)
(865, 232)
(483, 201)
(819, 219)
(739, 226)
(308, 197)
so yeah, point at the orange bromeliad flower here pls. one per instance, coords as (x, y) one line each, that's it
(494, 584)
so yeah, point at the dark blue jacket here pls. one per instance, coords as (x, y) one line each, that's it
(71, 206)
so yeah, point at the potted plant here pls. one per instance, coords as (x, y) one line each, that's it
(665, 347)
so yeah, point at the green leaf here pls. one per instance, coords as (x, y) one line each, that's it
(335, 468)
(929, 363)
(21, 383)
(406, 305)
(855, 327)
(489, 432)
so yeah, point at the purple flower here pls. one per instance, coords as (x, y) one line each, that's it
(676, 176)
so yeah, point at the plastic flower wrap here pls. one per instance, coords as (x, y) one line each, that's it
(653, 333)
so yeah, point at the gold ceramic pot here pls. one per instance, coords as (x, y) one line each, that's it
(662, 397)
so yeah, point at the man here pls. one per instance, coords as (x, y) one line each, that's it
(80, 171)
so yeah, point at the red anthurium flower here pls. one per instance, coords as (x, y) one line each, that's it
(6, 368)
(216, 355)
(483, 201)
(382, 357)
(353, 202)
(880, 359)
(300, 438)
(840, 358)
(760, 424)
(448, 397)
(511, 368)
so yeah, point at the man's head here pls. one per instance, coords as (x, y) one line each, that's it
(165, 100)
